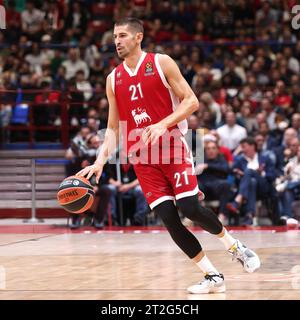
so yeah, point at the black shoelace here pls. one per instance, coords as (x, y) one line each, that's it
(211, 276)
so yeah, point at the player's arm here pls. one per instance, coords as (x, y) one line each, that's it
(111, 138)
(188, 100)
(112, 132)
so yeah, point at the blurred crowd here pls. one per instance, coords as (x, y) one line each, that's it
(241, 58)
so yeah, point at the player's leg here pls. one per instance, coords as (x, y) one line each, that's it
(160, 196)
(213, 281)
(185, 187)
(208, 220)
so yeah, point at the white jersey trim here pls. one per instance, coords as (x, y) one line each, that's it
(112, 78)
(160, 72)
(159, 201)
(187, 193)
(132, 74)
(182, 125)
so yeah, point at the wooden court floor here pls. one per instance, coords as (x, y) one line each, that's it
(113, 265)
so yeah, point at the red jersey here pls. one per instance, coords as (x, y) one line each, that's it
(143, 96)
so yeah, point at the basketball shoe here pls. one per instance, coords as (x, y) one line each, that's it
(212, 283)
(248, 258)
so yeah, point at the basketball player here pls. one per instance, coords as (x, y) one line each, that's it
(148, 92)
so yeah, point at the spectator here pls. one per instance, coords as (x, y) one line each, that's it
(83, 85)
(212, 106)
(261, 142)
(74, 64)
(13, 22)
(266, 16)
(77, 150)
(103, 193)
(127, 187)
(32, 20)
(77, 17)
(246, 118)
(295, 123)
(212, 177)
(287, 149)
(282, 98)
(288, 185)
(35, 59)
(292, 62)
(231, 133)
(230, 77)
(193, 125)
(256, 174)
(214, 137)
(268, 110)
(103, 113)
(271, 138)
(54, 19)
(47, 108)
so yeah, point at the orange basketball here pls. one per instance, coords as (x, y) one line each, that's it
(75, 194)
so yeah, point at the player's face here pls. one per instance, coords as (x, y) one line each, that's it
(125, 40)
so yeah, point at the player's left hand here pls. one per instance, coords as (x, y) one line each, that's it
(153, 132)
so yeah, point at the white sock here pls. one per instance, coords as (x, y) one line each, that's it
(227, 240)
(206, 266)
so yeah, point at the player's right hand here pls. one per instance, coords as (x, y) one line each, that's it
(95, 169)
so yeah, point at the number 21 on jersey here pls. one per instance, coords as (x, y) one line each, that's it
(181, 178)
(136, 91)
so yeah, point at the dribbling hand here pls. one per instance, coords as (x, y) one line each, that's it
(88, 171)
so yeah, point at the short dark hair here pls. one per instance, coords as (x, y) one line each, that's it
(133, 23)
(249, 140)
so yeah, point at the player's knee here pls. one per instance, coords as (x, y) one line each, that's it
(167, 213)
(189, 207)
(206, 218)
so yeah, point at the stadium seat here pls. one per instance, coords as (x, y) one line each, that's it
(20, 114)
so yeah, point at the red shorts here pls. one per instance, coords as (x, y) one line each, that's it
(174, 179)
(166, 182)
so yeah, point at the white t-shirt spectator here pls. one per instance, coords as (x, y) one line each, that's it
(293, 65)
(31, 21)
(86, 88)
(230, 137)
(35, 61)
(292, 169)
(73, 67)
(253, 163)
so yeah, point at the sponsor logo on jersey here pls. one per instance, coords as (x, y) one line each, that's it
(118, 80)
(149, 69)
(140, 116)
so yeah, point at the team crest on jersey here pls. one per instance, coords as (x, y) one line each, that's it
(149, 69)
(119, 74)
(140, 116)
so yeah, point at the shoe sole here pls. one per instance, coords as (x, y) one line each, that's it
(221, 289)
